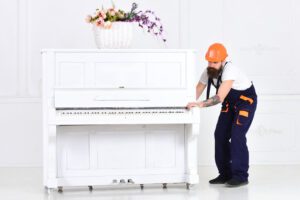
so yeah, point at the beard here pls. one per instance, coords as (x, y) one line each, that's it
(213, 73)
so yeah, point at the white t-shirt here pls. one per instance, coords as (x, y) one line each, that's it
(230, 72)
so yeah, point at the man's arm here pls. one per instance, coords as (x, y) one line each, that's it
(218, 98)
(199, 89)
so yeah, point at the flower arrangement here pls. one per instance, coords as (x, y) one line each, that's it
(147, 20)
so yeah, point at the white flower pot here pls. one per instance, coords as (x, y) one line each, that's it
(118, 36)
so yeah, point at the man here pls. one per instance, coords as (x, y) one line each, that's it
(238, 97)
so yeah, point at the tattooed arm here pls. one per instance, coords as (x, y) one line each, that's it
(211, 101)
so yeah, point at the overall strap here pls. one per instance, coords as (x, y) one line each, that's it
(208, 87)
(210, 81)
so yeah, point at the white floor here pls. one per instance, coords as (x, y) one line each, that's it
(266, 182)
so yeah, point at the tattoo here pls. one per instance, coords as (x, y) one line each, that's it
(212, 101)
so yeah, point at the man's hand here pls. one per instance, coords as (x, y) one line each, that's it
(194, 104)
(207, 103)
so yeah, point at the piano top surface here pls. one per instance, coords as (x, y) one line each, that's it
(117, 50)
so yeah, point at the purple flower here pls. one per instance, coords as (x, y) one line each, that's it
(146, 20)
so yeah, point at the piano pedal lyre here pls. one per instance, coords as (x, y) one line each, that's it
(142, 186)
(90, 188)
(164, 185)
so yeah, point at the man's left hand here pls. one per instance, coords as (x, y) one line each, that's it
(194, 104)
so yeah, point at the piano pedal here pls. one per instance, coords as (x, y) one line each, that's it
(164, 186)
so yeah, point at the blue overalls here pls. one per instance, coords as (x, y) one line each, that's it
(237, 113)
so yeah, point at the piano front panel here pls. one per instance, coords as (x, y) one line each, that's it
(120, 150)
(132, 70)
(121, 73)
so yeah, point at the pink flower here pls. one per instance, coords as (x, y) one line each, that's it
(100, 22)
(102, 14)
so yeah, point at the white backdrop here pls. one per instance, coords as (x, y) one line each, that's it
(261, 37)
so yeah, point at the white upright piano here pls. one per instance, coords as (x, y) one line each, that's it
(118, 117)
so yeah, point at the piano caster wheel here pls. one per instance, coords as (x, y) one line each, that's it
(188, 185)
(60, 189)
(164, 186)
(142, 186)
(122, 181)
(90, 188)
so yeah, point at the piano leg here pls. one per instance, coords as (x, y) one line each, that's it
(50, 164)
(192, 132)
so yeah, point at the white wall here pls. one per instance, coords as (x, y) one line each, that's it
(262, 39)
(261, 36)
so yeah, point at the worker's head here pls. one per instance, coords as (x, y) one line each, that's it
(215, 56)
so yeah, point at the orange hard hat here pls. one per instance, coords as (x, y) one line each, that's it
(216, 53)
